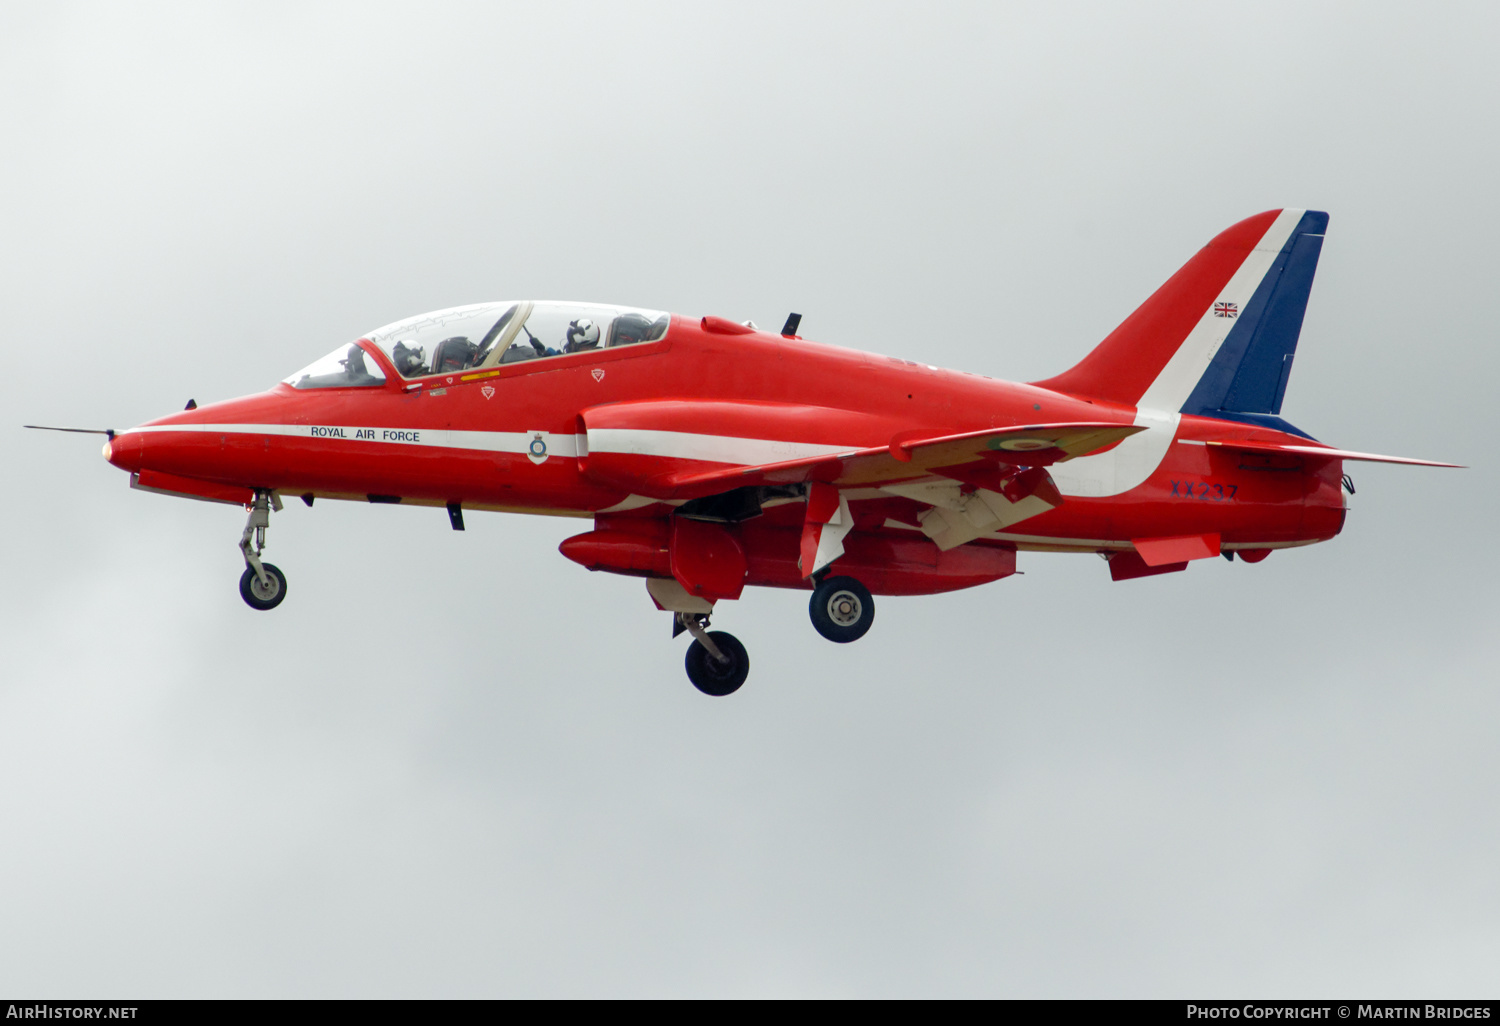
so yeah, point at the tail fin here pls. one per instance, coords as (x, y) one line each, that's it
(1218, 338)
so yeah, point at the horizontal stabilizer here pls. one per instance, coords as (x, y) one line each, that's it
(1323, 452)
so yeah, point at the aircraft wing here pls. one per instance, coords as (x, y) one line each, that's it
(1034, 445)
(907, 456)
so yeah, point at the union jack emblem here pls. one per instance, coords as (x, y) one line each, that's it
(1226, 309)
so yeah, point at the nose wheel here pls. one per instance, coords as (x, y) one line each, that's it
(257, 594)
(842, 609)
(262, 585)
(717, 663)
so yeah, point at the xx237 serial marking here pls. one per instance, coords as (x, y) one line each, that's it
(1203, 490)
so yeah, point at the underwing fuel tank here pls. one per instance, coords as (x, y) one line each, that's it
(888, 566)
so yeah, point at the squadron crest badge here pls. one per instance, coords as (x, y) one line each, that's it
(536, 449)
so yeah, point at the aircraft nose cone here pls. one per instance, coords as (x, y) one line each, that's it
(124, 451)
(153, 446)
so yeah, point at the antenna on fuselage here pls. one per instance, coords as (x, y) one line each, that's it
(793, 322)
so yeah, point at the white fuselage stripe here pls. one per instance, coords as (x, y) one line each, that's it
(1124, 467)
(442, 438)
(1119, 470)
(680, 445)
(685, 445)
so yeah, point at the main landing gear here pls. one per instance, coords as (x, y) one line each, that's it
(262, 585)
(717, 663)
(842, 609)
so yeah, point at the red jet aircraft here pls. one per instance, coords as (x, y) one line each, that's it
(712, 455)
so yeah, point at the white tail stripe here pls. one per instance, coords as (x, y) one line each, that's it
(1124, 467)
(1181, 374)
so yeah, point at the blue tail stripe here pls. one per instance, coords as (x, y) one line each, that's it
(1248, 374)
(1260, 382)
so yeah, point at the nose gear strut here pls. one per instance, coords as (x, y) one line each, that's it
(262, 585)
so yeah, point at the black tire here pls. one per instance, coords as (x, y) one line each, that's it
(255, 596)
(713, 677)
(841, 609)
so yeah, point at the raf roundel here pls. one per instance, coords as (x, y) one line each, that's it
(1023, 444)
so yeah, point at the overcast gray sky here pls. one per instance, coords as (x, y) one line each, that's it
(482, 772)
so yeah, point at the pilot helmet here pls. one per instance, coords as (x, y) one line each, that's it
(631, 328)
(582, 334)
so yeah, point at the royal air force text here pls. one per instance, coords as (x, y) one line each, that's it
(367, 434)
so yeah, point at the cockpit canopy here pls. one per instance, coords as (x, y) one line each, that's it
(484, 335)
(348, 366)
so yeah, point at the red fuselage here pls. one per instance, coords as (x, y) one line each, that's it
(718, 396)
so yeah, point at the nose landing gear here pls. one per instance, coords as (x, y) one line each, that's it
(717, 663)
(262, 585)
(263, 593)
